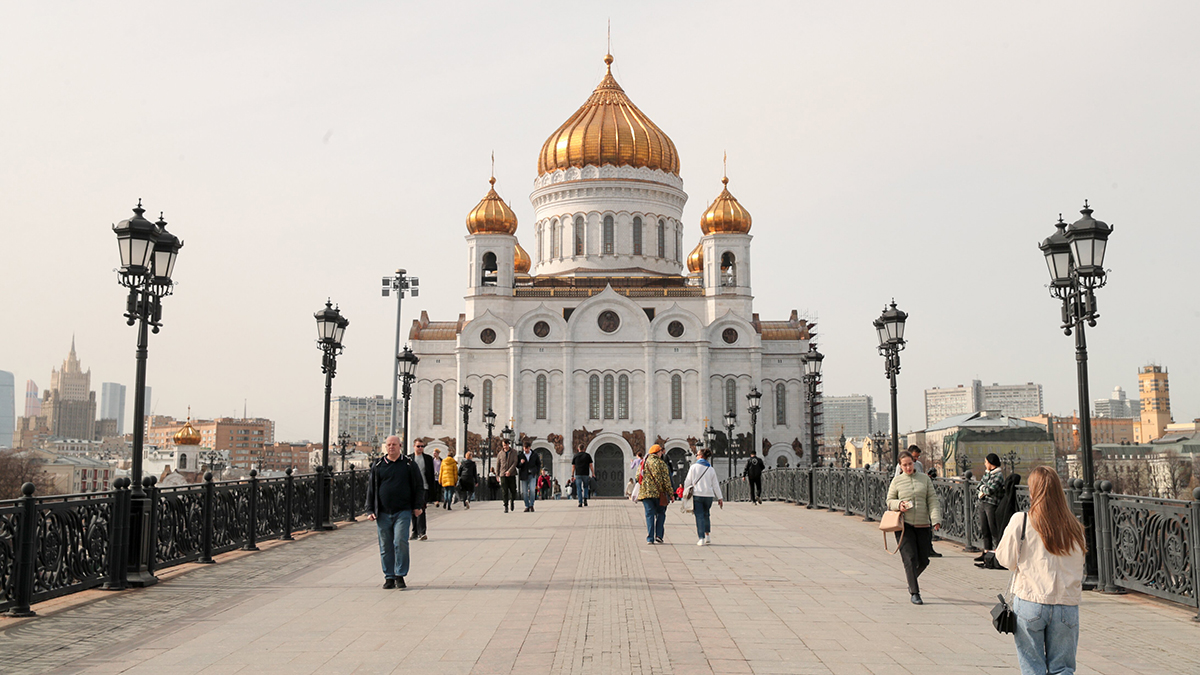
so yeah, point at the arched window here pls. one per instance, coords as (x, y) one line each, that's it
(488, 278)
(594, 397)
(608, 235)
(579, 249)
(623, 397)
(540, 253)
(182, 462)
(608, 397)
(728, 269)
(676, 397)
(437, 405)
(780, 405)
(555, 238)
(541, 397)
(662, 239)
(731, 401)
(487, 399)
(637, 235)
(678, 245)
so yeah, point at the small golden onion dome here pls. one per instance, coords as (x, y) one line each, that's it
(187, 435)
(608, 129)
(695, 259)
(492, 215)
(726, 215)
(521, 260)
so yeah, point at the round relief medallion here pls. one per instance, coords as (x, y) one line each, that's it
(608, 321)
(729, 335)
(674, 329)
(489, 336)
(541, 329)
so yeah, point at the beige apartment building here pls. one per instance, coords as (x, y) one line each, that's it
(1155, 392)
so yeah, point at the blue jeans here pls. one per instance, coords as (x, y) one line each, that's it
(393, 542)
(701, 508)
(656, 518)
(529, 490)
(1047, 637)
(581, 488)
(448, 495)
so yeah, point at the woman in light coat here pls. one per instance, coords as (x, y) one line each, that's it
(702, 481)
(1045, 550)
(912, 494)
(448, 477)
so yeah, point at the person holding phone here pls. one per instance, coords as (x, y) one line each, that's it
(912, 494)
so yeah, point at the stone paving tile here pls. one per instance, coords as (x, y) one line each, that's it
(565, 590)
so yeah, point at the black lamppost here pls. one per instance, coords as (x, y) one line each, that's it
(889, 328)
(400, 284)
(489, 421)
(1075, 258)
(710, 436)
(148, 255)
(331, 325)
(730, 446)
(464, 403)
(812, 380)
(508, 434)
(754, 397)
(406, 364)
(842, 455)
(964, 464)
(343, 444)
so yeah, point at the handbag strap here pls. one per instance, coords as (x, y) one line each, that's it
(898, 541)
(1012, 580)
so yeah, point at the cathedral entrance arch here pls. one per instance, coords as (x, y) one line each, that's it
(677, 460)
(610, 471)
(547, 460)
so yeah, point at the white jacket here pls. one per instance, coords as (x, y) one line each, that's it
(1040, 576)
(703, 481)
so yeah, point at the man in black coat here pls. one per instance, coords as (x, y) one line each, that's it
(753, 473)
(395, 493)
(529, 467)
(429, 480)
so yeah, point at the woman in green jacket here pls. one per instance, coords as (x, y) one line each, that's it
(912, 494)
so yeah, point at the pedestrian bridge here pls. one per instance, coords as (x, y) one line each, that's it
(782, 589)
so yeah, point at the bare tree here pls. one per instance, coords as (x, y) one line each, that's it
(1177, 475)
(18, 468)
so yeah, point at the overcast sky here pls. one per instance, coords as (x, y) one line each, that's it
(305, 149)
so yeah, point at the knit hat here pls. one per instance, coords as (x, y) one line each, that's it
(655, 448)
(993, 459)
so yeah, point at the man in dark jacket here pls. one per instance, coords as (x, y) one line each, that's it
(429, 481)
(529, 466)
(753, 473)
(395, 494)
(506, 462)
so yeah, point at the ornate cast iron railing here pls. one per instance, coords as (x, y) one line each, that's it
(1146, 544)
(51, 546)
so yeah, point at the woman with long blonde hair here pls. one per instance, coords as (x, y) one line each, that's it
(1045, 548)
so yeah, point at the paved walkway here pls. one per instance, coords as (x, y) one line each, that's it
(568, 590)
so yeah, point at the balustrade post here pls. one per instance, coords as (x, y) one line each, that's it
(252, 518)
(1196, 550)
(1106, 567)
(155, 513)
(353, 503)
(866, 485)
(206, 536)
(319, 498)
(26, 554)
(968, 501)
(117, 533)
(812, 487)
(288, 486)
(846, 490)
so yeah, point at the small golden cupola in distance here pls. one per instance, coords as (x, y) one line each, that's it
(492, 215)
(695, 259)
(521, 260)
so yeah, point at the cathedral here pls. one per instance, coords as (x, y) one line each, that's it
(611, 336)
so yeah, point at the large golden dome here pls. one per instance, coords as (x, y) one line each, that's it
(695, 259)
(521, 260)
(187, 435)
(726, 215)
(492, 215)
(608, 129)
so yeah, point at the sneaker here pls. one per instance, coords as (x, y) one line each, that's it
(414, 537)
(934, 554)
(658, 540)
(424, 537)
(708, 538)
(585, 502)
(400, 583)
(650, 542)
(526, 510)
(531, 509)
(389, 583)
(700, 543)
(580, 505)
(466, 505)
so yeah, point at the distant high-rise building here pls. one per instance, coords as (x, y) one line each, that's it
(70, 403)
(8, 409)
(365, 418)
(883, 422)
(1117, 406)
(852, 416)
(1155, 393)
(1014, 400)
(33, 399)
(112, 404)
